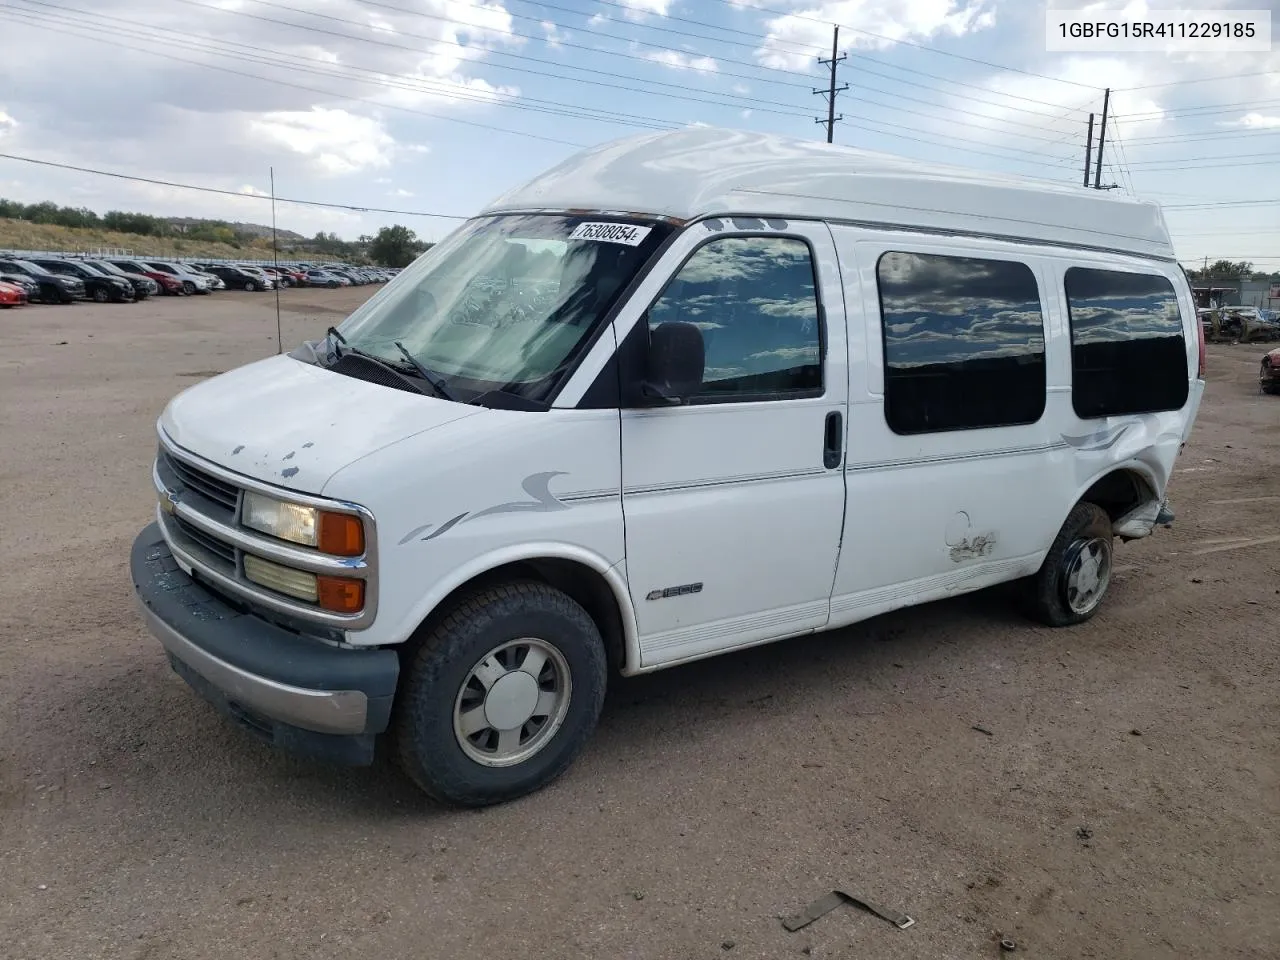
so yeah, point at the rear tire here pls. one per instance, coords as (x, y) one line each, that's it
(1073, 580)
(500, 695)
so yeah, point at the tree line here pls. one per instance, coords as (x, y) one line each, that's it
(1230, 270)
(394, 246)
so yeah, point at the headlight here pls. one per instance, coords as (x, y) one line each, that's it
(337, 594)
(339, 534)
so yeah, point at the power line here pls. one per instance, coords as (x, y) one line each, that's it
(396, 81)
(231, 193)
(377, 3)
(324, 93)
(1221, 203)
(1177, 166)
(1173, 83)
(738, 4)
(452, 21)
(1204, 110)
(1190, 138)
(415, 50)
(462, 96)
(804, 50)
(1233, 156)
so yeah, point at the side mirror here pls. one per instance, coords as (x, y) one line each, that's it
(677, 361)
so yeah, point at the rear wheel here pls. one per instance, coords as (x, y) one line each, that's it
(500, 696)
(1073, 580)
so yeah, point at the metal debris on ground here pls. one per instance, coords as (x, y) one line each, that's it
(1007, 945)
(983, 730)
(824, 905)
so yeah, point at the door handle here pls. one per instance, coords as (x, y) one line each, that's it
(833, 441)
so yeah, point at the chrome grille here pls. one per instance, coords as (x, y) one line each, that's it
(215, 546)
(199, 517)
(217, 490)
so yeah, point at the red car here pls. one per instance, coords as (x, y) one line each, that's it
(11, 295)
(171, 285)
(1269, 375)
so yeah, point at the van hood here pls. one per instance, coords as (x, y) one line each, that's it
(294, 424)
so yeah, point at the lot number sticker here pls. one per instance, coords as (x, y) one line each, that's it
(624, 233)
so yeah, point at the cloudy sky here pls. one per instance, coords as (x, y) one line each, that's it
(435, 106)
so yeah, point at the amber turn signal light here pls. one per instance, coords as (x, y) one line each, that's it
(341, 535)
(340, 594)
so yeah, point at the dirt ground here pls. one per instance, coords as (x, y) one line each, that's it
(1124, 803)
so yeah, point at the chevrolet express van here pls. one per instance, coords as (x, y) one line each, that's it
(682, 394)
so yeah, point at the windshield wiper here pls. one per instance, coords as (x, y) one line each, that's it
(333, 332)
(426, 374)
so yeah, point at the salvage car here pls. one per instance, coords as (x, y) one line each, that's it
(100, 289)
(23, 282)
(54, 287)
(170, 284)
(192, 282)
(1269, 374)
(792, 388)
(238, 278)
(143, 287)
(12, 295)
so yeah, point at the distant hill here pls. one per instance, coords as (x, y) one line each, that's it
(188, 224)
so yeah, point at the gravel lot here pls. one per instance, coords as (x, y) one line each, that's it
(1125, 803)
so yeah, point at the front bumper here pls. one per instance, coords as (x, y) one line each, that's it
(295, 692)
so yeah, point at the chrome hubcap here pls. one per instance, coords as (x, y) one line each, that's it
(1088, 573)
(512, 702)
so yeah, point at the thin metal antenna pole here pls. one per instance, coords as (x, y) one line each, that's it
(275, 260)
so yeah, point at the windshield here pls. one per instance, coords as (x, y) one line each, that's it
(32, 268)
(101, 269)
(506, 303)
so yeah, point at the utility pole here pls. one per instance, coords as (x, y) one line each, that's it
(832, 90)
(1088, 151)
(1102, 137)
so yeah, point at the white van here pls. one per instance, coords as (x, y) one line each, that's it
(682, 394)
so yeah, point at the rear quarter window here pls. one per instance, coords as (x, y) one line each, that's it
(1128, 350)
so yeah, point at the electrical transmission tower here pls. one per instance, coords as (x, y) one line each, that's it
(832, 90)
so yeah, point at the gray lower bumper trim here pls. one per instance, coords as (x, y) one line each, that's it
(323, 711)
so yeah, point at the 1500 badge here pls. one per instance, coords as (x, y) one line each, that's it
(680, 591)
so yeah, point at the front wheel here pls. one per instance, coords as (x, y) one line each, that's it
(100, 295)
(500, 696)
(1074, 577)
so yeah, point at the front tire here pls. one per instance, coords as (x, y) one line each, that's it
(500, 695)
(1073, 580)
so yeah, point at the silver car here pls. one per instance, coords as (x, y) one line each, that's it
(191, 281)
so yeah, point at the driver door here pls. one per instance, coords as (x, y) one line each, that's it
(734, 500)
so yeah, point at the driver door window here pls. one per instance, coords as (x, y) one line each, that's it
(756, 303)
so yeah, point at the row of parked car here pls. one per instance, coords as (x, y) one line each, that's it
(68, 278)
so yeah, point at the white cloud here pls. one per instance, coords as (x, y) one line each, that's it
(639, 9)
(400, 192)
(871, 24)
(682, 61)
(7, 123)
(551, 32)
(336, 141)
(1252, 121)
(741, 88)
